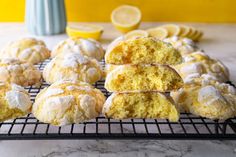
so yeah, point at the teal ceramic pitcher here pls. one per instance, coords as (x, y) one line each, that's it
(45, 17)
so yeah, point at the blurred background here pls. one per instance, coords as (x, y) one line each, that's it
(212, 11)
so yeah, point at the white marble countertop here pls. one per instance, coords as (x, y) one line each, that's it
(219, 42)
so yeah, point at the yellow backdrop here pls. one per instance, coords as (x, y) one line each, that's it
(153, 10)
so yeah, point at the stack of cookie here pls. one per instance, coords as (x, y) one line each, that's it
(141, 78)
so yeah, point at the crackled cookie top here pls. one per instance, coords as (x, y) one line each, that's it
(205, 96)
(27, 49)
(66, 102)
(200, 63)
(86, 47)
(72, 66)
(18, 72)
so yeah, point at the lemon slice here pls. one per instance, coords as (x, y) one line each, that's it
(158, 32)
(136, 34)
(184, 30)
(173, 30)
(191, 32)
(126, 18)
(195, 36)
(194, 32)
(85, 31)
(198, 36)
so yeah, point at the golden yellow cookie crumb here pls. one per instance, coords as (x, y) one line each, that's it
(140, 105)
(143, 77)
(143, 50)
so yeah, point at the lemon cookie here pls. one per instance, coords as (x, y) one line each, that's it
(18, 72)
(199, 62)
(86, 47)
(140, 105)
(143, 78)
(183, 45)
(67, 102)
(72, 66)
(206, 97)
(15, 101)
(27, 49)
(143, 50)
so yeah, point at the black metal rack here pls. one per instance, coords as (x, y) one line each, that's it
(188, 127)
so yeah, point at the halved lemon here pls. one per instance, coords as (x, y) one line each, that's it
(158, 32)
(126, 18)
(135, 34)
(85, 31)
(173, 30)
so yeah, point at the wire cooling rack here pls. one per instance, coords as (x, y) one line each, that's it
(188, 127)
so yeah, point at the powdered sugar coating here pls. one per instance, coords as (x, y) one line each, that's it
(67, 102)
(18, 72)
(18, 98)
(209, 94)
(28, 50)
(86, 47)
(205, 96)
(72, 66)
(199, 62)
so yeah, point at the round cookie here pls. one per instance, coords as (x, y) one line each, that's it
(206, 97)
(183, 45)
(67, 102)
(15, 101)
(27, 49)
(199, 62)
(21, 73)
(72, 66)
(86, 47)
